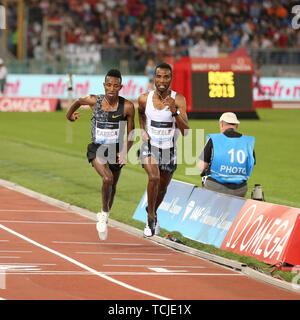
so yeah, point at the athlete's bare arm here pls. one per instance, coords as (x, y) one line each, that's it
(129, 113)
(179, 104)
(90, 100)
(142, 100)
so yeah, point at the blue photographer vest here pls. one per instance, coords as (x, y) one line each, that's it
(232, 160)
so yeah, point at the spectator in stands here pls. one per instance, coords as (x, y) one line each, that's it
(256, 78)
(235, 38)
(227, 159)
(255, 10)
(3, 76)
(150, 71)
(228, 24)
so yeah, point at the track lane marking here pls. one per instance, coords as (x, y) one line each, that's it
(31, 263)
(152, 266)
(30, 211)
(99, 243)
(83, 266)
(41, 221)
(165, 270)
(127, 253)
(138, 259)
(119, 273)
(15, 251)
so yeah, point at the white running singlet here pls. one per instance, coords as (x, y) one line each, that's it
(160, 124)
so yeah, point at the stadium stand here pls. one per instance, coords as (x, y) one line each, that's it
(131, 31)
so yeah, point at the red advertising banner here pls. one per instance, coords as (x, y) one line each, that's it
(236, 64)
(28, 104)
(264, 231)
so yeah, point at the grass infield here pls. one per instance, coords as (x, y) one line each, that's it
(46, 153)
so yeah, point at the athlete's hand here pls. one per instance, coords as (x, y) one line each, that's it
(121, 159)
(145, 136)
(170, 102)
(74, 116)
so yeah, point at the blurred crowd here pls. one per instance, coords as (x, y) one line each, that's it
(161, 28)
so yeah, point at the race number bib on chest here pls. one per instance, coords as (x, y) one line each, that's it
(107, 132)
(161, 134)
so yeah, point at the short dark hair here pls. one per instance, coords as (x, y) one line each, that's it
(114, 73)
(163, 65)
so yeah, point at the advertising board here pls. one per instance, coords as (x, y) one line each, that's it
(28, 104)
(262, 230)
(278, 89)
(56, 86)
(198, 214)
(266, 231)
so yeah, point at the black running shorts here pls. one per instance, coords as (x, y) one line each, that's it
(166, 158)
(106, 152)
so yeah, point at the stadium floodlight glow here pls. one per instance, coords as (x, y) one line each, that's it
(2, 17)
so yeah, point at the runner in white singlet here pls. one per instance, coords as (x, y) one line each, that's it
(162, 114)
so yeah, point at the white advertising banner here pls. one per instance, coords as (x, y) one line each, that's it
(278, 89)
(56, 86)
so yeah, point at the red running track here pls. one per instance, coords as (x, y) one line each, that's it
(47, 252)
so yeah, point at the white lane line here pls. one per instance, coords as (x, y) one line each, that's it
(160, 270)
(127, 253)
(4, 240)
(83, 266)
(18, 210)
(35, 272)
(40, 221)
(31, 263)
(173, 274)
(28, 267)
(86, 273)
(15, 251)
(147, 266)
(99, 243)
(138, 259)
(10, 257)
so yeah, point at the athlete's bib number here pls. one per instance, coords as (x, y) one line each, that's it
(107, 132)
(161, 134)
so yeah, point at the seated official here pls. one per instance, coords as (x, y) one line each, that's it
(227, 159)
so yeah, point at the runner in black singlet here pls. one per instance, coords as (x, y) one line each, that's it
(108, 151)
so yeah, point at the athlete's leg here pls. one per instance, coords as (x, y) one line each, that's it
(164, 181)
(116, 175)
(107, 182)
(152, 170)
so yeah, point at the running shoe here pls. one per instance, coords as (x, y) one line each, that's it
(149, 229)
(157, 226)
(101, 225)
